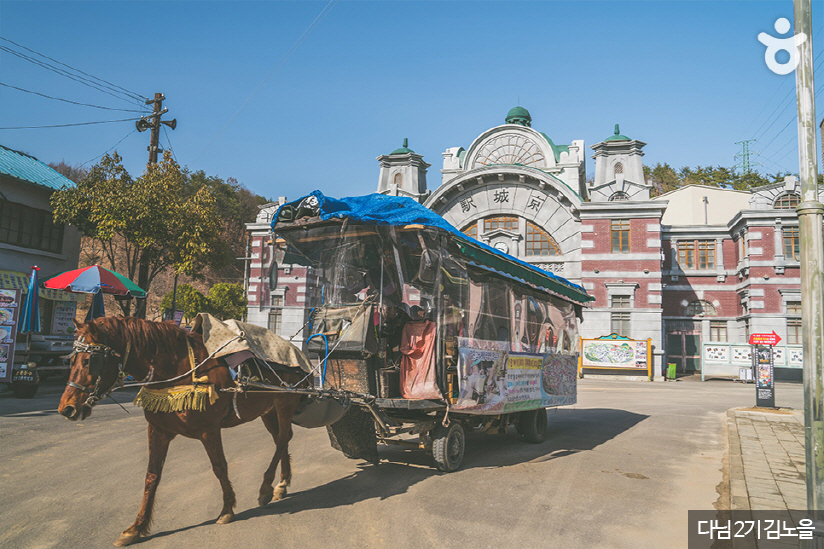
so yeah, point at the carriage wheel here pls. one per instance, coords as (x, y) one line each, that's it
(448, 445)
(533, 425)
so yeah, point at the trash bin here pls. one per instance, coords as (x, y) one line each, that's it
(670, 371)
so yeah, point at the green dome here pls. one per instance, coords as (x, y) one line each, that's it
(405, 149)
(519, 115)
(617, 136)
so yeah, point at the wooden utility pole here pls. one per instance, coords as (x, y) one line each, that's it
(153, 123)
(810, 218)
(155, 138)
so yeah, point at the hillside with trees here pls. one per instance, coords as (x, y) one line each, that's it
(167, 221)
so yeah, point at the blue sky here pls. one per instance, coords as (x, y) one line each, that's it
(688, 78)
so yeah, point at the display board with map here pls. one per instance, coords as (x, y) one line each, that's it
(615, 352)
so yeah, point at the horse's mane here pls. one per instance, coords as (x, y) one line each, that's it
(147, 338)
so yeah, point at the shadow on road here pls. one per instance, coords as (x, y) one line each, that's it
(570, 431)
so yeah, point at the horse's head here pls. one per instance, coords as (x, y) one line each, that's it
(95, 367)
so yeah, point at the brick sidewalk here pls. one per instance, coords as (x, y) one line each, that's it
(767, 459)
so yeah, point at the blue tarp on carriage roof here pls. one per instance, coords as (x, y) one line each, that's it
(381, 209)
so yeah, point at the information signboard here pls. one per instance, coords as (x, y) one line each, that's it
(764, 368)
(63, 322)
(9, 318)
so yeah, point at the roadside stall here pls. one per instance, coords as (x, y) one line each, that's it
(33, 355)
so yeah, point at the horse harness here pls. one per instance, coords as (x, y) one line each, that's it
(99, 356)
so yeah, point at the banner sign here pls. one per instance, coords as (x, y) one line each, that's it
(14, 280)
(494, 380)
(602, 353)
(764, 377)
(765, 339)
(9, 317)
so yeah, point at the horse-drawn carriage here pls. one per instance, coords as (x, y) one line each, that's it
(418, 330)
(425, 331)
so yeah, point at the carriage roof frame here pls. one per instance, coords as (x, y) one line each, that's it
(398, 211)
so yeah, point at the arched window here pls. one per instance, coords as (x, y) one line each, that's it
(619, 168)
(398, 179)
(787, 201)
(620, 195)
(506, 223)
(471, 230)
(701, 308)
(538, 241)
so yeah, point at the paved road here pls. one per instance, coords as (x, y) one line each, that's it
(620, 469)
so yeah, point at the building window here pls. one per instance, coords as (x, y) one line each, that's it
(276, 314)
(620, 302)
(747, 329)
(701, 308)
(791, 249)
(742, 247)
(29, 228)
(538, 242)
(793, 307)
(619, 168)
(705, 258)
(706, 254)
(793, 331)
(398, 179)
(686, 255)
(471, 230)
(620, 236)
(501, 222)
(787, 201)
(718, 330)
(619, 324)
(618, 196)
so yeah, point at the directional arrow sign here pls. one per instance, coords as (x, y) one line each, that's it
(765, 339)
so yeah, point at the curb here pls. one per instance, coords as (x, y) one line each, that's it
(739, 496)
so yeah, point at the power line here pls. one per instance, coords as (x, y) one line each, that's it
(789, 94)
(67, 125)
(110, 148)
(323, 13)
(68, 100)
(85, 81)
(169, 141)
(789, 103)
(134, 94)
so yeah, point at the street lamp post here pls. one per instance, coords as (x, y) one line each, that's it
(810, 216)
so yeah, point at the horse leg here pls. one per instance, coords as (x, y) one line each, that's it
(214, 448)
(158, 447)
(279, 424)
(270, 420)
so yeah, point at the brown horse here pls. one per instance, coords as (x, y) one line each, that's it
(159, 351)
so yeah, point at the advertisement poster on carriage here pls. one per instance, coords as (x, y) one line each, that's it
(559, 380)
(494, 380)
(482, 375)
(9, 315)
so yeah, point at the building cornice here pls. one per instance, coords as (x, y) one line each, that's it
(623, 209)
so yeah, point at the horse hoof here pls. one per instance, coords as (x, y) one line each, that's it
(226, 519)
(279, 493)
(265, 496)
(126, 539)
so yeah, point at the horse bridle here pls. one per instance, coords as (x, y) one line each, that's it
(99, 356)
